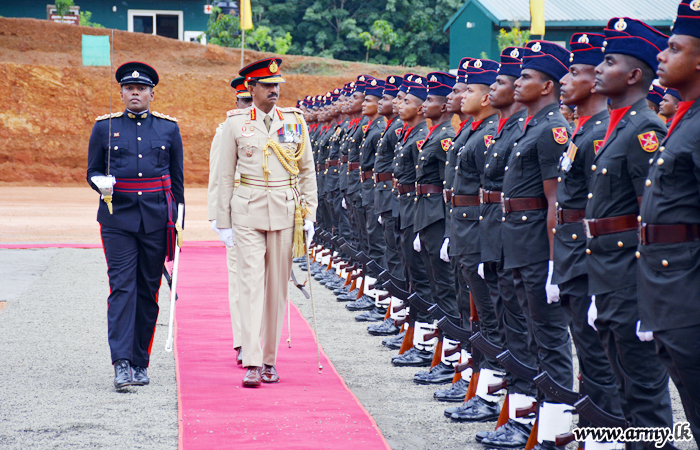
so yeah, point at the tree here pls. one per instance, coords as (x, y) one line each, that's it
(381, 37)
(223, 29)
(513, 38)
(261, 40)
(63, 7)
(84, 20)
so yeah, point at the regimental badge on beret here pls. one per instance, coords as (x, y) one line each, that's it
(419, 81)
(514, 54)
(433, 78)
(273, 66)
(560, 136)
(373, 83)
(648, 141)
(446, 144)
(695, 5)
(537, 47)
(392, 80)
(135, 74)
(621, 25)
(409, 77)
(465, 65)
(488, 140)
(478, 64)
(583, 39)
(597, 145)
(362, 78)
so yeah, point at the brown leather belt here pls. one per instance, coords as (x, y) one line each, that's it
(447, 195)
(405, 188)
(428, 189)
(490, 196)
(383, 176)
(523, 204)
(344, 159)
(609, 225)
(353, 166)
(332, 162)
(465, 200)
(570, 215)
(366, 175)
(669, 234)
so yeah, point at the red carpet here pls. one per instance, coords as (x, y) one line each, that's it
(305, 410)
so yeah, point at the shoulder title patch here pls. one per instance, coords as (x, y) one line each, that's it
(648, 141)
(364, 128)
(488, 140)
(163, 116)
(398, 132)
(446, 144)
(597, 145)
(107, 116)
(560, 136)
(420, 143)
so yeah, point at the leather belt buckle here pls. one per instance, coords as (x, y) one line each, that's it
(503, 205)
(587, 228)
(444, 195)
(361, 178)
(560, 216)
(643, 233)
(481, 195)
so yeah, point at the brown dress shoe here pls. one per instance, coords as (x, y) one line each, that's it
(252, 377)
(239, 357)
(269, 374)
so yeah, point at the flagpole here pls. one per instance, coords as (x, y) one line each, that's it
(242, 44)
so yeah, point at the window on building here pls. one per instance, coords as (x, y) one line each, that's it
(161, 23)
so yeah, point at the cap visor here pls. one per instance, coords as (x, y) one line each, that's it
(271, 80)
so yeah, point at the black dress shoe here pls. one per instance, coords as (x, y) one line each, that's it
(480, 411)
(394, 342)
(386, 328)
(515, 436)
(342, 290)
(455, 394)
(440, 374)
(364, 303)
(415, 358)
(349, 297)
(375, 315)
(140, 376)
(122, 374)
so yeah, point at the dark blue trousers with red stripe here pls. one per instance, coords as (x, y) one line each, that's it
(135, 268)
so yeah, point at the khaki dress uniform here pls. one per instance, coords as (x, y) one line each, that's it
(261, 212)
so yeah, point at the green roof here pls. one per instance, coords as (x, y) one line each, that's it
(575, 13)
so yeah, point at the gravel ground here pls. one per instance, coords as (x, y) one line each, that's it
(56, 377)
(405, 412)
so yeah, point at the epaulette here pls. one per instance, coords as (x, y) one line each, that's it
(235, 112)
(163, 116)
(292, 109)
(107, 116)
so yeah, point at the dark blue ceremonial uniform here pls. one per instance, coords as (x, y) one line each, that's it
(143, 146)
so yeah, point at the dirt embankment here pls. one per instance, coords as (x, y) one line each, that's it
(49, 100)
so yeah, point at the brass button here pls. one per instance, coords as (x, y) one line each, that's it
(116, 147)
(416, 166)
(638, 255)
(559, 179)
(487, 166)
(648, 183)
(481, 217)
(556, 204)
(633, 113)
(140, 193)
(661, 149)
(554, 231)
(588, 251)
(450, 210)
(503, 220)
(464, 214)
(140, 156)
(639, 218)
(428, 195)
(620, 244)
(593, 167)
(517, 154)
(524, 218)
(590, 195)
(415, 199)
(573, 236)
(140, 174)
(408, 195)
(660, 161)
(495, 155)
(664, 263)
(506, 169)
(421, 158)
(138, 123)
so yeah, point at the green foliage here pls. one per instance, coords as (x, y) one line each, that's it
(405, 32)
(484, 55)
(513, 38)
(223, 29)
(260, 39)
(63, 7)
(84, 19)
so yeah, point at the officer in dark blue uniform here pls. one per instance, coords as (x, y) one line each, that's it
(669, 254)
(142, 160)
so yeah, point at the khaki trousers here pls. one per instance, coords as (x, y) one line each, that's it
(264, 260)
(233, 296)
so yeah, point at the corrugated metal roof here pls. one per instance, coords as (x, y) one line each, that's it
(583, 10)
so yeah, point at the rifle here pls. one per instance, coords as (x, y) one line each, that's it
(394, 290)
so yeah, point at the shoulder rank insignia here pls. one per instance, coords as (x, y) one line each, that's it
(364, 128)
(163, 116)
(560, 136)
(488, 140)
(234, 112)
(107, 116)
(446, 144)
(649, 141)
(420, 143)
(597, 145)
(291, 109)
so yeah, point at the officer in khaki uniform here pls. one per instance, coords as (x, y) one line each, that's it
(243, 100)
(269, 148)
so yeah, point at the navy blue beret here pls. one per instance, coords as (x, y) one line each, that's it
(587, 48)
(392, 85)
(417, 86)
(547, 57)
(633, 37)
(656, 94)
(511, 60)
(688, 19)
(462, 69)
(374, 87)
(407, 81)
(482, 71)
(440, 83)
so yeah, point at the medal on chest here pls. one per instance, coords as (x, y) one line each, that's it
(290, 133)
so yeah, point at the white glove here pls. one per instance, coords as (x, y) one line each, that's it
(380, 220)
(343, 204)
(226, 236)
(552, 289)
(644, 336)
(416, 243)
(592, 313)
(309, 228)
(444, 250)
(104, 183)
(213, 226)
(480, 270)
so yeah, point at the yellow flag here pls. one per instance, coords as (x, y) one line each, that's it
(537, 17)
(246, 15)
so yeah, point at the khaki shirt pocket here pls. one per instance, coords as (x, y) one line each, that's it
(249, 150)
(291, 202)
(240, 200)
